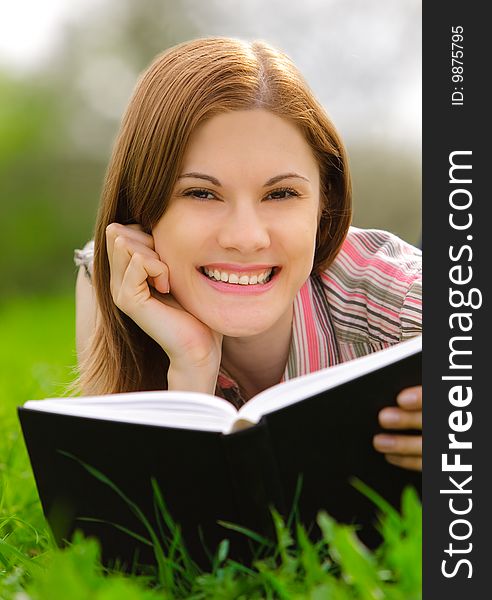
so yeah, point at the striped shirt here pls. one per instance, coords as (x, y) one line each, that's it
(368, 299)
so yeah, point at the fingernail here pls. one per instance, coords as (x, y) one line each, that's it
(384, 442)
(389, 416)
(408, 398)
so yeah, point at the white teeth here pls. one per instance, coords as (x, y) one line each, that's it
(236, 279)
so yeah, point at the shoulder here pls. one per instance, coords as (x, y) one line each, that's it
(373, 288)
(369, 253)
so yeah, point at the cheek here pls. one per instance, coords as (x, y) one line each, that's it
(172, 237)
(305, 250)
(300, 238)
(177, 241)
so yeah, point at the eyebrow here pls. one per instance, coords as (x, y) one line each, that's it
(213, 180)
(271, 181)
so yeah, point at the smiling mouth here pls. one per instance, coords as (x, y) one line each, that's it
(259, 278)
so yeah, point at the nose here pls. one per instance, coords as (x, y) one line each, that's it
(244, 229)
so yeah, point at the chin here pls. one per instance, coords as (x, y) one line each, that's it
(239, 328)
(241, 332)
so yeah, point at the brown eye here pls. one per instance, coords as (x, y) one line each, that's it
(200, 194)
(282, 194)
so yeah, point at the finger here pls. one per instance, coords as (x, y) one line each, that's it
(413, 463)
(410, 398)
(161, 281)
(114, 230)
(123, 250)
(398, 444)
(134, 287)
(396, 418)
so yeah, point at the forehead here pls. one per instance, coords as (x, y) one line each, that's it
(252, 141)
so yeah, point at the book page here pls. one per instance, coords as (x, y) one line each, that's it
(188, 410)
(298, 389)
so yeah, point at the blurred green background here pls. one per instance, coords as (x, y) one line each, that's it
(60, 109)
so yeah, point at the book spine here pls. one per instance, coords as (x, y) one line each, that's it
(255, 478)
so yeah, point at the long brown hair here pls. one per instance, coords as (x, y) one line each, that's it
(184, 86)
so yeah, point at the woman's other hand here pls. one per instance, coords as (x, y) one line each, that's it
(402, 450)
(140, 288)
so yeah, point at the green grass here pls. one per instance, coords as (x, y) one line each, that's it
(36, 360)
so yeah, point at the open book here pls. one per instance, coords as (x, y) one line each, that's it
(215, 463)
(192, 410)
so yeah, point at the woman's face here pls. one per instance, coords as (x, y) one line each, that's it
(239, 232)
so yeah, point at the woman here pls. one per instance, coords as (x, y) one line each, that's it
(224, 261)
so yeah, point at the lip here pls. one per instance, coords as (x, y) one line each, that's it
(238, 289)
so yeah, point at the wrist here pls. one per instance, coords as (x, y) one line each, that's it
(192, 379)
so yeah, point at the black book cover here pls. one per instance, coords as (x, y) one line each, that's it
(207, 477)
